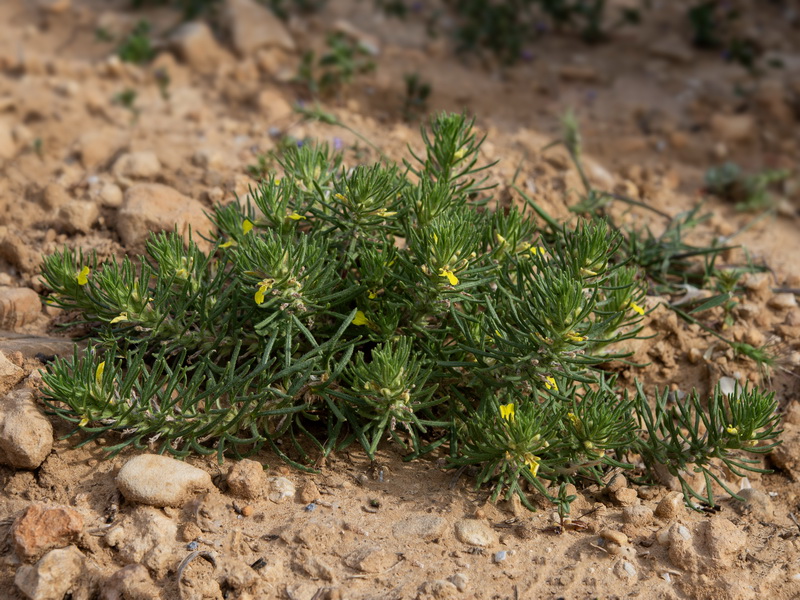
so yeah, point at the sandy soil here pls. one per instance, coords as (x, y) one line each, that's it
(655, 114)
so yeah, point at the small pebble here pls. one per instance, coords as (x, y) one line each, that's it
(192, 545)
(670, 506)
(460, 581)
(637, 516)
(500, 556)
(310, 507)
(281, 489)
(782, 301)
(617, 482)
(683, 531)
(247, 511)
(617, 537)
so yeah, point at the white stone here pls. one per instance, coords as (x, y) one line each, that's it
(146, 536)
(106, 193)
(137, 165)
(280, 489)
(160, 480)
(53, 576)
(475, 533)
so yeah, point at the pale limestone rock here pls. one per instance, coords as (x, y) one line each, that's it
(160, 480)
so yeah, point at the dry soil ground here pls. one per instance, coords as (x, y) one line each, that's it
(655, 113)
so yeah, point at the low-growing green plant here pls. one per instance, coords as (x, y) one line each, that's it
(137, 47)
(713, 28)
(505, 27)
(385, 302)
(336, 69)
(101, 34)
(127, 99)
(747, 192)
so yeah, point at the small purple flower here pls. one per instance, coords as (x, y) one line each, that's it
(526, 55)
(337, 143)
(300, 143)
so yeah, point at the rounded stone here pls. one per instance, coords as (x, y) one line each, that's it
(160, 481)
(670, 506)
(26, 435)
(638, 516)
(475, 533)
(616, 537)
(246, 479)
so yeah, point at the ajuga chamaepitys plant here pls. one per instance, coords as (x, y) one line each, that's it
(385, 302)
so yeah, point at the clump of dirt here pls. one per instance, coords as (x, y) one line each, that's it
(81, 133)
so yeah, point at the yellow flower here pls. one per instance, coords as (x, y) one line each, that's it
(636, 308)
(533, 463)
(247, 226)
(574, 337)
(83, 422)
(507, 411)
(227, 244)
(732, 430)
(296, 217)
(451, 277)
(371, 294)
(537, 250)
(590, 447)
(277, 181)
(263, 286)
(98, 373)
(576, 422)
(361, 319)
(182, 274)
(550, 383)
(123, 316)
(459, 154)
(341, 197)
(83, 276)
